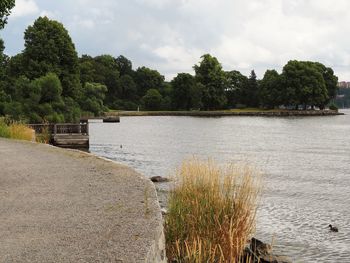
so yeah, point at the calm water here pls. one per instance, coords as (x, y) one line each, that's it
(306, 162)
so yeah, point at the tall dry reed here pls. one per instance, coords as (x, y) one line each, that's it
(15, 130)
(20, 131)
(211, 212)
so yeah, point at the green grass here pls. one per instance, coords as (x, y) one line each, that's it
(211, 212)
(4, 129)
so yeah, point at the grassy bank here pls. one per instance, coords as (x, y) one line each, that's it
(211, 212)
(15, 130)
(235, 112)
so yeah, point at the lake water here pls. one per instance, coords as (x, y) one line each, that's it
(306, 162)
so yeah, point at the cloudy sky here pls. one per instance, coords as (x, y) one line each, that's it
(171, 35)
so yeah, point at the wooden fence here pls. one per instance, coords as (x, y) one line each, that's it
(61, 128)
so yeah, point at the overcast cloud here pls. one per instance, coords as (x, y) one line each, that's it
(171, 35)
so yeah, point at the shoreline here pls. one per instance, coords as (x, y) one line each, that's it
(223, 113)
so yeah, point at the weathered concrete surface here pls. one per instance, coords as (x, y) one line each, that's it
(66, 206)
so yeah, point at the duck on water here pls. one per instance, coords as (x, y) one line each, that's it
(333, 228)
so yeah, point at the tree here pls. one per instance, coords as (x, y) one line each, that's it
(5, 10)
(146, 79)
(87, 69)
(24, 100)
(124, 65)
(3, 59)
(93, 96)
(152, 100)
(196, 95)
(304, 84)
(249, 94)
(128, 88)
(51, 88)
(331, 82)
(182, 86)
(104, 70)
(270, 90)
(210, 74)
(235, 83)
(49, 48)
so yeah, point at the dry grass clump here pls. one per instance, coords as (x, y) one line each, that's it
(15, 130)
(44, 136)
(211, 212)
(20, 131)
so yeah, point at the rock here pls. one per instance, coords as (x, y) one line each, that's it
(159, 179)
(164, 211)
(273, 259)
(260, 252)
(259, 247)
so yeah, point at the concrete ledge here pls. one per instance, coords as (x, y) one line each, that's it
(61, 205)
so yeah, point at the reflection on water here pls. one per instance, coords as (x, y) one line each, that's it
(306, 161)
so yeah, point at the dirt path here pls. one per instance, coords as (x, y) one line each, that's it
(66, 206)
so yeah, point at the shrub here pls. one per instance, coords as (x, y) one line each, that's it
(211, 212)
(4, 129)
(333, 107)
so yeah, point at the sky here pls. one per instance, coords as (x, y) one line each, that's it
(171, 35)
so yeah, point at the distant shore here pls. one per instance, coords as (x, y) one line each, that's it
(243, 112)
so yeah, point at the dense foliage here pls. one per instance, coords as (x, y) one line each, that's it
(343, 98)
(48, 82)
(5, 10)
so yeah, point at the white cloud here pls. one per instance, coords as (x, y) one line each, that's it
(25, 8)
(171, 35)
(49, 14)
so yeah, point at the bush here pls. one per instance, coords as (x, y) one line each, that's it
(211, 212)
(4, 129)
(333, 107)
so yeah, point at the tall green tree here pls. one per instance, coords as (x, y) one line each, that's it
(3, 59)
(304, 84)
(124, 66)
(331, 82)
(49, 48)
(146, 79)
(183, 85)
(5, 11)
(93, 97)
(210, 74)
(249, 94)
(102, 69)
(152, 100)
(128, 88)
(270, 90)
(235, 83)
(87, 69)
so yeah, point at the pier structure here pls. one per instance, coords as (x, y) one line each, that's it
(65, 135)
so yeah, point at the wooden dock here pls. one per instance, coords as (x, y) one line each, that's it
(109, 119)
(65, 135)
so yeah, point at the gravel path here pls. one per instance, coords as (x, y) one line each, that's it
(61, 205)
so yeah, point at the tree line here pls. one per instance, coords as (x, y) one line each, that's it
(48, 82)
(343, 98)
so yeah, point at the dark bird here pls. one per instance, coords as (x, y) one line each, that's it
(333, 228)
(121, 146)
